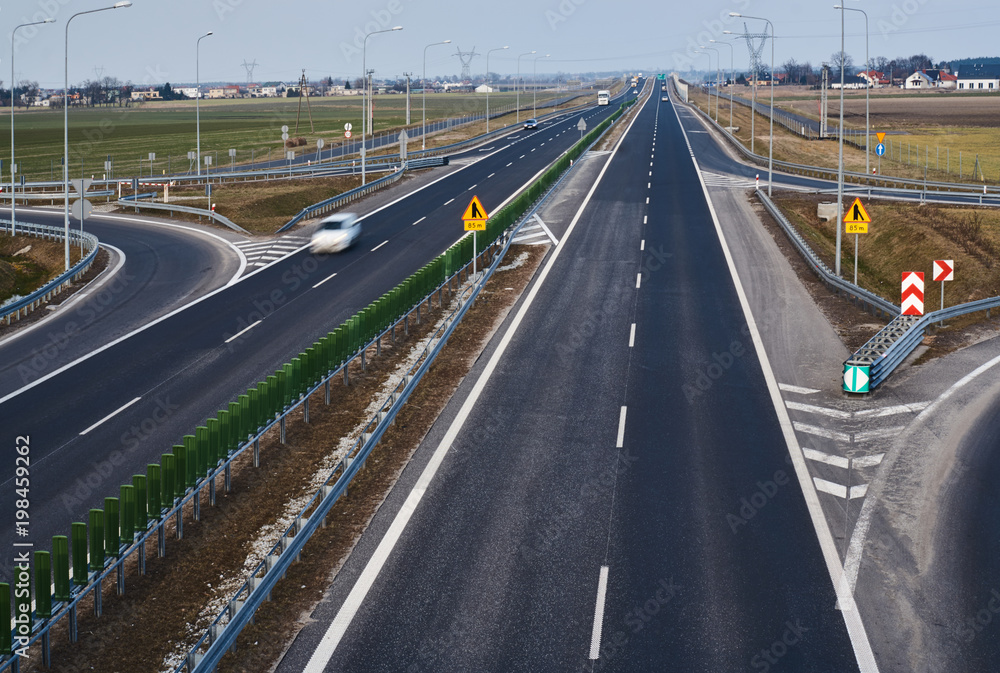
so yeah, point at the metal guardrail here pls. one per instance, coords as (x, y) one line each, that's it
(897, 340)
(873, 181)
(182, 469)
(201, 212)
(25, 305)
(221, 635)
(822, 270)
(359, 192)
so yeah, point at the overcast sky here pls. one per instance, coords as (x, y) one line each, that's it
(154, 40)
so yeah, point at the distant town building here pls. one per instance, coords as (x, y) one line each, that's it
(985, 77)
(146, 94)
(876, 79)
(188, 91)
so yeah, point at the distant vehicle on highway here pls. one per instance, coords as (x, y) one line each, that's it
(531, 124)
(604, 97)
(335, 233)
(664, 99)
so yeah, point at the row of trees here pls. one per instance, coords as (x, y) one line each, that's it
(897, 68)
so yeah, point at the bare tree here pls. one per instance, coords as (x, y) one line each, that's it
(793, 70)
(839, 58)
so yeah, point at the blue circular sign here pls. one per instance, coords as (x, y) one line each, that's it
(880, 149)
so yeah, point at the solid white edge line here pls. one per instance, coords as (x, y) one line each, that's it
(621, 424)
(99, 282)
(631, 337)
(845, 597)
(111, 415)
(324, 280)
(379, 245)
(243, 331)
(595, 634)
(338, 626)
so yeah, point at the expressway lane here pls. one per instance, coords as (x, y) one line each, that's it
(164, 267)
(573, 509)
(187, 365)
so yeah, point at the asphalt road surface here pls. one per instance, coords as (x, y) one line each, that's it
(582, 509)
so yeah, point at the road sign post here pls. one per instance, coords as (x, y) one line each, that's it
(944, 270)
(880, 150)
(475, 217)
(581, 127)
(856, 221)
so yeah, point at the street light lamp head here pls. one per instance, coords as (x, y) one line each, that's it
(122, 5)
(397, 28)
(446, 42)
(211, 32)
(49, 21)
(727, 32)
(735, 14)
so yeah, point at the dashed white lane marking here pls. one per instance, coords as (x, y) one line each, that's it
(595, 634)
(642, 244)
(490, 176)
(379, 245)
(111, 415)
(631, 337)
(244, 331)
(621, 418)
(509, 165)
(638, 280)
(420, 220)
(448, 201)
(323, 281)
(471, 188)
(647, 200)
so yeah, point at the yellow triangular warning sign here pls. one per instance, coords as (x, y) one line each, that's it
(475, 211)
(857, 214)
(881, 137)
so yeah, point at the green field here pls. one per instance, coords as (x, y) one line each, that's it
(250, 126)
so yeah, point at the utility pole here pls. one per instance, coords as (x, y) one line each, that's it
(408, 75)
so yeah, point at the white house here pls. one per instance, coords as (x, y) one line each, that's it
(483, 88)
(188, 91)
(850, 82)
(919, 80)
(985, 77)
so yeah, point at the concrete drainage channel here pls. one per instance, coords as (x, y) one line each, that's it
(119, 533)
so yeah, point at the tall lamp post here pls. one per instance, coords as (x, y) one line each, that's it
(868, 66)
(729, 86)
(770, 151)
(487, 81)
(534, 83)
(13, 166)
(366, 96)
(423, 94)
(517, 89)
(117, 5)
(840, 133)
(718, 56)
(197, 97)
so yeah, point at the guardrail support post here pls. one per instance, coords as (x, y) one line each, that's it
(229, 479)
(326, 391)
(73, 634)
(161, 541)
(305, 410)
(364, 366)
(142, 558)
(256, 448)
(378, 349)
(197, 505)
(282, 430)
(180, 523)
(211, 491)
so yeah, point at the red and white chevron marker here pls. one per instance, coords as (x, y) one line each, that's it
(944, 269)
(913, 293)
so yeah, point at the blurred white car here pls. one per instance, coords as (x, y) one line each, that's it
(335, 233)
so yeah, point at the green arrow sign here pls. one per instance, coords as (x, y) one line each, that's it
(856, 378)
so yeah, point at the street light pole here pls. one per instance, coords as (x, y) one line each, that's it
(840, 163)
(729, 86)
(534, 83)
(366, 95)
(487, 82)
(868, 87)
(517, 89)
(718, 56)
(423, 95)
(13, 172)
(770, 151)
(197, 98)
(117, 5)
